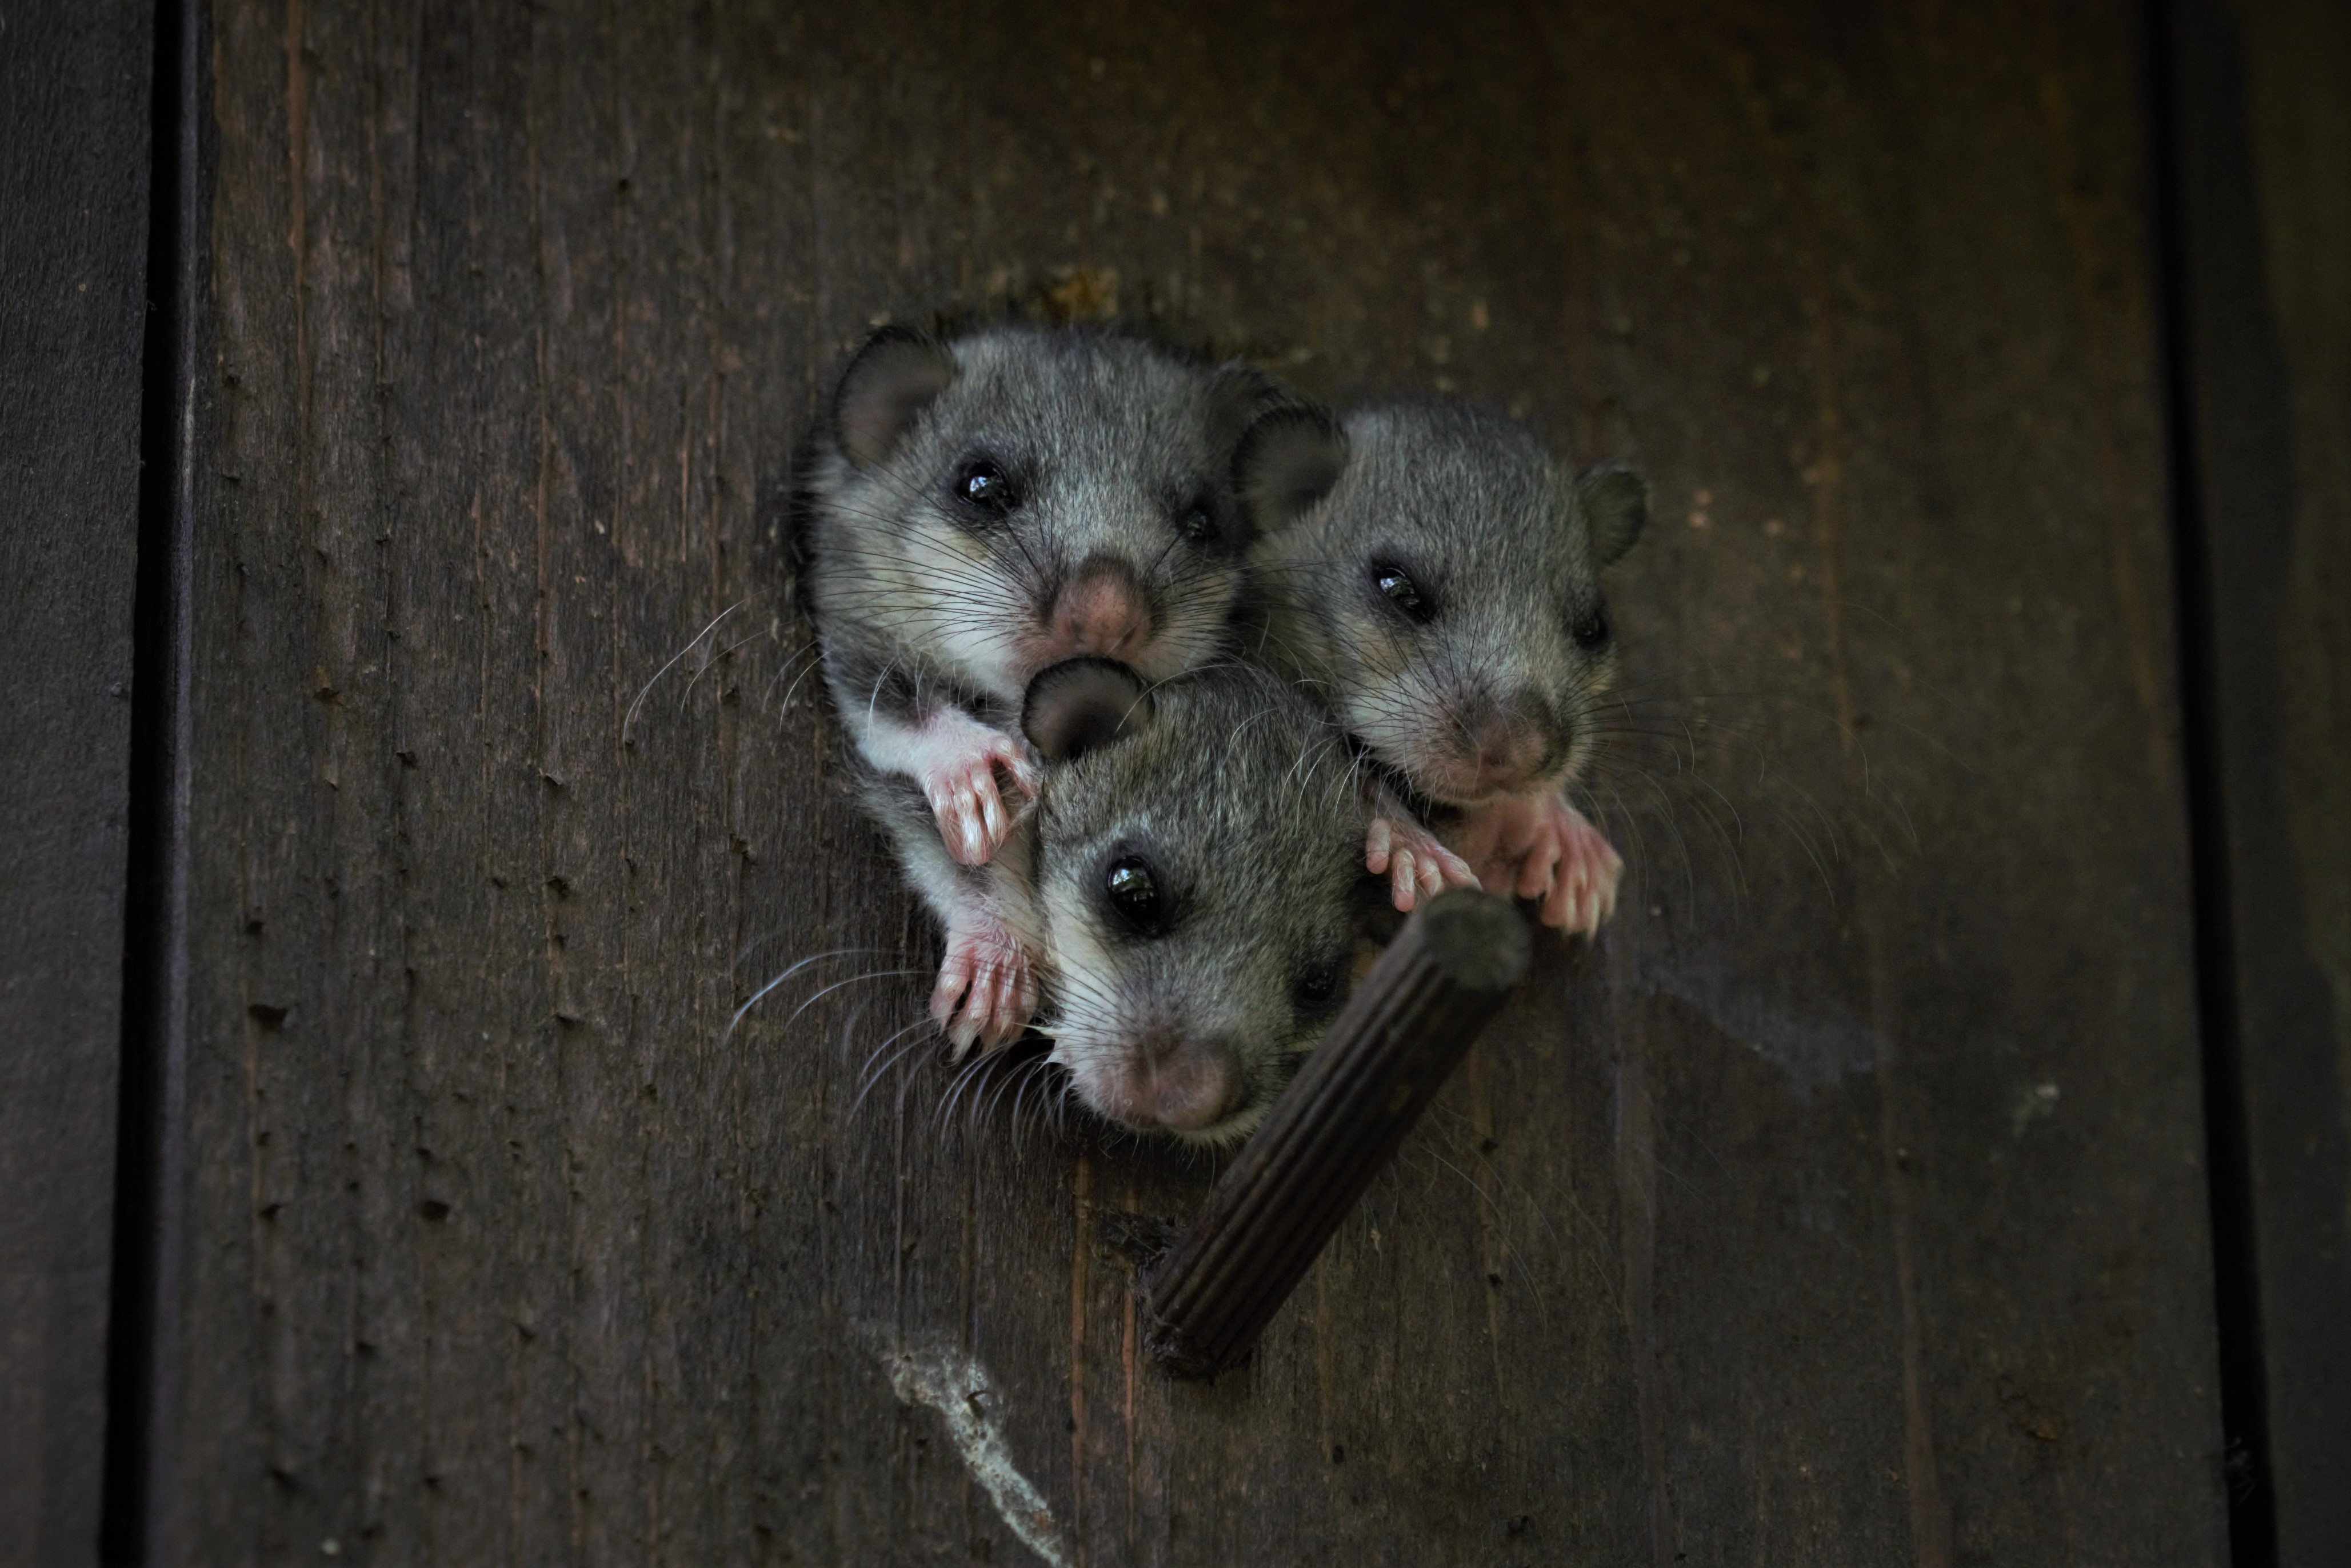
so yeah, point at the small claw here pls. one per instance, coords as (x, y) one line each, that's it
(1537, 872)
(958, 1038)
(973, 820)
(952, 831)
(1595, 867)
(1402, 887)
(991, 813)
(1011, 1018)
(1419, 866)
(947, 992)
(986, 992)
(1016, 1002)
(957, 999)
(1559, 903)
(1019, 770)
(979, 1013)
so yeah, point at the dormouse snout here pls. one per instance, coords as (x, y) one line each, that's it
(1101, 610)
(1167, 1081)
(1503, 744)
(1199, 840)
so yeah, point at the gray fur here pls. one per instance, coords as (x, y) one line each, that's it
(1243, 795)
(1112, 440)
(933, 612)
(1507, 544)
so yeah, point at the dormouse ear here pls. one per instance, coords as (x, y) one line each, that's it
(1288, 461)
(1081, 704)
(1615, 503)
(893, 379)
(1239, 394)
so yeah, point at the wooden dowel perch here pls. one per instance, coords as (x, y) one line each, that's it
(1327, 1134)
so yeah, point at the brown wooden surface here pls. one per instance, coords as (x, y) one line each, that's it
(1850, 1210)
(73, 260)
(2264, 160)
(1332, 1131)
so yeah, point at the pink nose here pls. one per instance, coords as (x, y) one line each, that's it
(1506, 744)
(1186, 1090)
(1101, 610)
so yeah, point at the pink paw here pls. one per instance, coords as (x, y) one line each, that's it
(1540, 847)
(967, 800)
(1416, 865)
(986, 990)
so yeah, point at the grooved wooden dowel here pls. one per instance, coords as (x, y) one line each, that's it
(1329, 1133)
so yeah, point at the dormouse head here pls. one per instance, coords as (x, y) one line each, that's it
(1439, 574)
(1198, 850)
(1035, 495)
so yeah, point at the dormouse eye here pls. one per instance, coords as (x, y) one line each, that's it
(1592, 632)
(1317, 985)
(983, 487)
(1197, 523)
(1401, 591)
(1134, 889)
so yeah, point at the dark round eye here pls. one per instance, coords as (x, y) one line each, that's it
(1592, 632)
(1317, 985)
(1197, 523)
(1134, 889)
(983, 487)
(1402, 591)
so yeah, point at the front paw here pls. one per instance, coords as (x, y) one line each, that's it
(1571, 867)
(986, 990)
(1414, 864)
(969, 801)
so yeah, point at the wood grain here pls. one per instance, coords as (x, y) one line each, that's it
(1849, 1209)
(1331, 1132)
(2263, 161)
(73, 95)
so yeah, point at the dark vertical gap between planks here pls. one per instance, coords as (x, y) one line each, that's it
(2218, 75)
(147, 1220)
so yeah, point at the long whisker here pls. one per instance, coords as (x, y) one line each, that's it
(629, 717)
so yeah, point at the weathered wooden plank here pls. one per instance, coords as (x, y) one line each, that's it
(1850, 1209)
(74, 109)
(2262, 135)
(1208, 1293)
